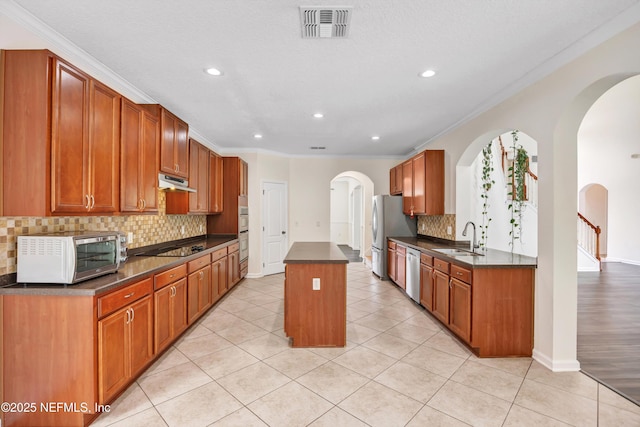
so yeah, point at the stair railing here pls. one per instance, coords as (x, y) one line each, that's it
(589, 237)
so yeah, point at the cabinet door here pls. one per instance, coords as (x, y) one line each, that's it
(205, 297)
(70, 139)
(426, 286)
(169, 124)
(130, 154)
(141, 326)
(216, 174)
(407, 187)
(401, 269)
(243, 184)
(182, 148)
(391, 264)
(113, 348)
(460, 309)
(234, 268)
(399, 178)
(199, 178)
(441, 296)
(162, 317)
(104, 148)
(392, 181)
(418, 166)
(179, 307)
(149, 162)
(219, 278)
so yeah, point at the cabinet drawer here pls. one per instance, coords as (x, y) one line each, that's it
(441, 265)
(244, 268)
(197, 264)
(169, 276)
(118, 299)
(401, 250)
(391, 245)
(220, 253)
(426, 259)
(233, 248)
(461, 273)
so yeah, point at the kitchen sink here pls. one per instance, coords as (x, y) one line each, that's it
(457, 252)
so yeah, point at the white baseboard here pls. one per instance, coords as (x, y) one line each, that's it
(556, 365)
(254, 275)
(623, 260)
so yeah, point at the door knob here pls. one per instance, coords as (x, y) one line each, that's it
(284, 232)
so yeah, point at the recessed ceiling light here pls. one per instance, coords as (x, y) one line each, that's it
(213, 71)
(257, 136)
(375, 137)
(427, 73)
(318, 115)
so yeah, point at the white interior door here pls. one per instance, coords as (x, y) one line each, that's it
(275, 233)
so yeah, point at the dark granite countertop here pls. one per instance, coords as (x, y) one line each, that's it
(315, 253)
(491, 258)
(134, 269)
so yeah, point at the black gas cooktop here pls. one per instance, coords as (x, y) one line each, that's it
(173, 251)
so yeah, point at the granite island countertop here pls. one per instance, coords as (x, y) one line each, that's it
(315, 253)
(134, 269)
(491, 258)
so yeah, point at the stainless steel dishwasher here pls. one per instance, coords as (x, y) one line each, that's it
(413, 274)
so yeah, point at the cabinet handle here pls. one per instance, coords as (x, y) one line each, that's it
(144, 204)
(128, 317)
(86, 205)
(458, 273)
(201, 275)
(173, 291)
(129, 295)
(450, 283)
(133, 314)
(93, 202)
(171, 276)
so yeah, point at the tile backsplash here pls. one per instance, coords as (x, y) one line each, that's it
(146, 229)
(436, 226)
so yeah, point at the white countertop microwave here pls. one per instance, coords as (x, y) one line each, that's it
(69, 257)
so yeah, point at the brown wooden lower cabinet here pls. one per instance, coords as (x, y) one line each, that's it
(391, 260)
(401, 266)
(491, 309)
(170, 298)
(77, 348)
(199, 295)
(125, 345)
(426, 281)
(234, 265)
(219, 275)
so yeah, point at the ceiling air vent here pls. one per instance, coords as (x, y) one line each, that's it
(318, 148)
(325, 22)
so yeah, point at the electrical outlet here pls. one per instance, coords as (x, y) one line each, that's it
(449, 230)
(182, 229)
(316, 283)
(201, 228)
(130, 237)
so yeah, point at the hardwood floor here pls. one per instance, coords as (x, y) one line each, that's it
(609, 327)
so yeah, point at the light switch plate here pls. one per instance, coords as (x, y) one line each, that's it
(316, 283)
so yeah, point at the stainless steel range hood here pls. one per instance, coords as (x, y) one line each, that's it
(167, 182)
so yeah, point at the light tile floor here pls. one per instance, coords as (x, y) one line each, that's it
(400, 368)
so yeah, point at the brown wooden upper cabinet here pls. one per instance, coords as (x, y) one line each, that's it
(235, 195)
(395, 180)
(60, 138)
(198, 177)
(216, 183)
(139, 139)
(423, 184)
(174, 142)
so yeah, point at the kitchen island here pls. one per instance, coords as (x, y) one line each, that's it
(315, 295)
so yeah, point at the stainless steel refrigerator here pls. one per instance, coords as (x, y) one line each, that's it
(387, 221)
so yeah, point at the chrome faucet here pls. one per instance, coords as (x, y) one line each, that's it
(473, 244)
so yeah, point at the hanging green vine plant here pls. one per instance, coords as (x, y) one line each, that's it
(486, 183)
(518, 192)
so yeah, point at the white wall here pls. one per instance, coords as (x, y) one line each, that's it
(608, 135)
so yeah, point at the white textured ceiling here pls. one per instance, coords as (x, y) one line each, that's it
(367, 84)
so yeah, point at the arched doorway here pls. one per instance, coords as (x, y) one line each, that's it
(350, 211)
